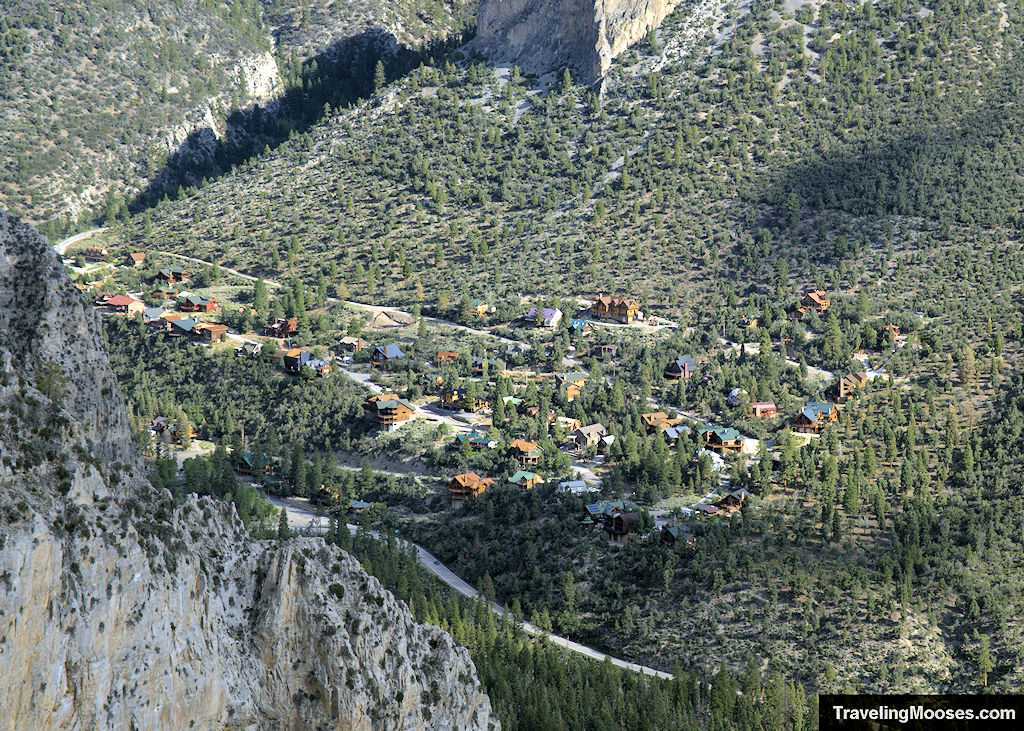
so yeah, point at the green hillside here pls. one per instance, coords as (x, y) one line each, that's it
(815, 149)
(874, 151)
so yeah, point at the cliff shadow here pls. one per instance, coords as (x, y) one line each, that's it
(341, 75)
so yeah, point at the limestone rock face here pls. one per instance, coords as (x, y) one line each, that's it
(120, 608)
(547, 35)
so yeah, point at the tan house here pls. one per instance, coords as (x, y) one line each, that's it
(616, 309)
(592, 435)
(817, 300)
(763, 409)
(389, 411)
(209, 333)
(467, 486)
(658, 421)
(527, 454)
(125, 305)
(850, 384)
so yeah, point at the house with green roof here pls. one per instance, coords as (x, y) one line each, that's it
(525, 480)
(722, 439)
(814, 417)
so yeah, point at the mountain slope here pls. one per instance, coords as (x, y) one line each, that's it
(690, 170)
(122, 608)
(97, 100)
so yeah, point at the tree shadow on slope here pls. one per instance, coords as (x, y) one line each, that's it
(968, 169)
(349, 70)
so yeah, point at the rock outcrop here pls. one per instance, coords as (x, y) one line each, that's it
(546, 35)
(120, 608)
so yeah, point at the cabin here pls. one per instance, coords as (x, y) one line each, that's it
(616, 309)
(478, 442)
(621, 526)
(467, 486)
(124, 305)
(607, 351)
(573, 383)
(153, 314)
(295, 358)
(350, 344)
(162, 322)
(511, 402)
(281, 328)
(891, 333)
(682, 367)
(476, 365)
(733, 501)
(673, 433)
(389, 411)
(722, 439)
(135, 259)
(250, 463)
(172, 275)
(581, 327)
(818, 301)
(95, 253)
(385, 354)
(480, 307)
(248, 349)
(592, 435)
(525, 480)
(452, 398)
(850, 384)
(576, 487)
(165, 293)
(568, 423)
(358, 507)
(184, 327)
(527, 454)
(162, 424)
(322, 368)
(748, 323)
(763, 409)
(604, 510)
(209, 333)
(814, 417)
(198, 303)
(658, 421)
(445, 356)
(549, 317)
(672, 534)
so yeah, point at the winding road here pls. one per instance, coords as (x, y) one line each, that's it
(62, 246)
(301, 517)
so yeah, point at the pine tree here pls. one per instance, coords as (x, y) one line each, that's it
(837, 527)
(985, 664)
(283, 531)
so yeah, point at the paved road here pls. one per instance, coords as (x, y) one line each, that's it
(62, 246)
(301, 516)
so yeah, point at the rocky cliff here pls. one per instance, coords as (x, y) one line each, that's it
(120, 608)
(548, 35)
